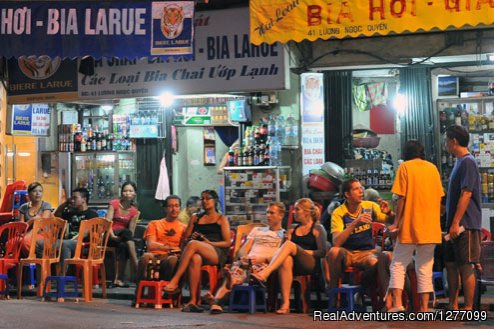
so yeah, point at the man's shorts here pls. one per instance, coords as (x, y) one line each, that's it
(465, 249)
(362, 259)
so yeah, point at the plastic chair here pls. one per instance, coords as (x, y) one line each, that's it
(484, 270)
(154, 294)
(4, 291)
(6, 210)
(52, 230)
(61, 284)
(438, 283)
(250, 298)
(347, 291)
(485, 235)
(97, 230)
(14, 233)
(241, 235)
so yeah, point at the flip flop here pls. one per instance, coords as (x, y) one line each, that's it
(282, 311)
(121, 284)
(216, 309)
(192, 308)
(255, 279)
(171, 291)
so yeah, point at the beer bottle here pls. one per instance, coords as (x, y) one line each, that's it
(150, 270)
(157, 270)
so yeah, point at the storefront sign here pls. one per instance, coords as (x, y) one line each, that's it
(30, 120)
(282, 21)
(125, 29)
(312, 121)
(41, 79)
(225, 61)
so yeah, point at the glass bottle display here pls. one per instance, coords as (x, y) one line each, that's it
(102, 173)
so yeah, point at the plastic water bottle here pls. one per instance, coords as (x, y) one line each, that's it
(291, 131)
(271, 126)
(280, 129)
(274, 152)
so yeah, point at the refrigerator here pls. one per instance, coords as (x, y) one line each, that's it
(102, 173)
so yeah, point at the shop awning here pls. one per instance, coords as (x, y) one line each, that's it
(282, 21)
(124, 29)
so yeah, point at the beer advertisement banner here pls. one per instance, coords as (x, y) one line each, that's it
(225, 61)
(282, 21)
(124, 29)
(41, 79)
(29, 120)
(312, 121)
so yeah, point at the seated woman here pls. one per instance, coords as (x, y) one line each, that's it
(210, 240)
(34, 209)
(299, 255)
(124, 214)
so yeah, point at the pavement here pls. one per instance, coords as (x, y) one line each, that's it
(126, 295)
(31, 313)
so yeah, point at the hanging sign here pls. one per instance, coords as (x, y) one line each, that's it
(125, 29)
(282, 21)
(312, 121)
(29, 120)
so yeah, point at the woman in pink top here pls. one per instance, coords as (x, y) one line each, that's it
(124, 214)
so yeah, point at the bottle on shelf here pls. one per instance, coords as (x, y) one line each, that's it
(458, 115)
(101, 188)
(291, 131)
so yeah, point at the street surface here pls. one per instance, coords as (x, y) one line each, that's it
(32, 313)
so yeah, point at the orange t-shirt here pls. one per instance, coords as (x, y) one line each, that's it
(419, 182)
(168, 233)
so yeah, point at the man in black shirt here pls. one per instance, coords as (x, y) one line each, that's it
(73, 212)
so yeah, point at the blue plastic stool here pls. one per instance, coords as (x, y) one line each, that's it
(438, 283)
(5, 278)
(31, 279)
(61, 285)
(346, 291)
(248, 298)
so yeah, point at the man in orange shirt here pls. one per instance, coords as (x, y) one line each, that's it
(163, 237)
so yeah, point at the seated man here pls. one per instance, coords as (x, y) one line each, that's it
(351, 227)
(73, 211)
(163, 237)
(254, 254)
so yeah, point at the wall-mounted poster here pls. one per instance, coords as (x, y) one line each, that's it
(29, 120)
(448, 86)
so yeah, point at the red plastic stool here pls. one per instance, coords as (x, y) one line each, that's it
(154, 294)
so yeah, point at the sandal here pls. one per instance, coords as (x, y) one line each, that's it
(207, 299)
(171, 291)
(282, 311)
(120, 284)
(397, 309)
(216, 309)
(192, 308)
(255, 279)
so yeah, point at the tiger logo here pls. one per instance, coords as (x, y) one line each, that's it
(172, 21)
(38, 68)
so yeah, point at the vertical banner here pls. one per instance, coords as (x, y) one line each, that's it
(312, 121)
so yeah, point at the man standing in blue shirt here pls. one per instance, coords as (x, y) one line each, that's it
(463, 208)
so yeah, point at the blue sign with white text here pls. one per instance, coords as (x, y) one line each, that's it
(125, 29)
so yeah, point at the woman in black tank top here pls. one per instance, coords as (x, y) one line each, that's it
(209, 234)
(301, 254)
